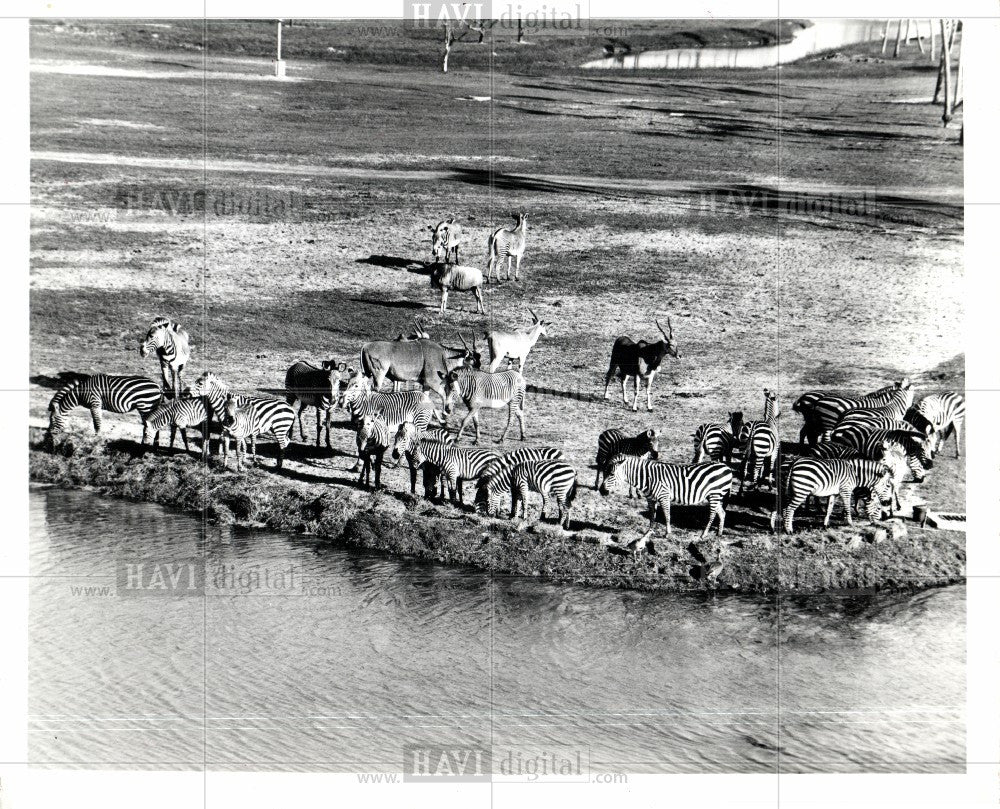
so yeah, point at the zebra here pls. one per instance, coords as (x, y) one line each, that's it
(663, 483)
(823, 413)
(445, 237)
(314, 387)
(511, 459)
(479, 389)
(717, 442)
(373, 440)
(262, 415)
(498, 485)
(454, 464)
(946, 411)
(892, 455)
(116, 394)
(507, 243)
(822, 477)
(555, 480)
(173, 347)
(615, 442)
(853, 430)
(359, 400)
(188, 411)
(913, 445)
(760, 438)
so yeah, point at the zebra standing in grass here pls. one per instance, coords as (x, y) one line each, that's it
(374, 438)
(507, 243)
(262, 415)
(496, 484)
(454, 465)
(819, 477)
(760, 439)
(615, 442)
(173, 348)
(248, 418)
(116, 394)
(663, 483)
(479, 389)
(716, 442)
(946, 411)
(553, 480)
(395, 408)
(188, 411)
(823, 413)
(314, 387)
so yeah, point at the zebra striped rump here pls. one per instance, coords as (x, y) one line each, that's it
(116, 394)
(552, 479)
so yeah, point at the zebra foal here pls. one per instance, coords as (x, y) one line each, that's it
(664, 483)
(760, 440)
(180, 414)
(116, 394)
(615, 442)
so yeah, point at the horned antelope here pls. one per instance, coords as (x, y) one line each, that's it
(419, 332)
(515, 344)
(446, 236)
(421, 361)
(640, 360)
(507, 243)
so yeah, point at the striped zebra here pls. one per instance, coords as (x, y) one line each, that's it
(717, 442)
(823, 413)
(395, 408)
(188, 411)
(946, 411)
(852, 429)
(499, 485)
(511, 459)
(911, 444)
(479, 389)
(263, 415)
(173, 348)
(760, 440)
(553, 480)
(615, 442)
(891, 455)
(403, 446)
(314, 387)
(116, 394)
(454, 465)
(821, 477)
(664, 483)
(507, 243)
(374, 438)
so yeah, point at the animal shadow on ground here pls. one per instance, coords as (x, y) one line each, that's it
(395, 263)
(57, 381)
(393, 304)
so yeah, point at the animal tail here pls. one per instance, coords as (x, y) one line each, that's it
(489, 246)
(571, 494)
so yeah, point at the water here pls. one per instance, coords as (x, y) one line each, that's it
(351, 657)
(822, 35)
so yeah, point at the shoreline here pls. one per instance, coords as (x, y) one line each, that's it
(408, 526)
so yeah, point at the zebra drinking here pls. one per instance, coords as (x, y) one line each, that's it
(173, 348)
(553, 480)
(664, 483)
(479, 389)
(507, 243)
(116, 394)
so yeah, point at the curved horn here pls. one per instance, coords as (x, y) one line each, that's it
(533, 314)
(657, 322)
(473, 341)
(460, 337)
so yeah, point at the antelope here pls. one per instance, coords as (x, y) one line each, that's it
(640, 360)
(515, 344)
(419, 332)
(456, 277)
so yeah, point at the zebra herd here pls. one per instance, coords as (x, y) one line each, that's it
(867, 443)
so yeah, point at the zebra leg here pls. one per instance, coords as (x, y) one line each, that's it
(298, 418)
(517, 267)
(510, 418)
(173, 435)
(845, 495)
(712, 503)
(957, 430)
(241, 451)
(461, 428)
(184, 435)
(205, 432)
(665, 505)
(829, 510)
(95, 414)
(378, 469)
(721, 511)
(328, 444)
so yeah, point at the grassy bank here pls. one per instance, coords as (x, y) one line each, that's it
(402, 525)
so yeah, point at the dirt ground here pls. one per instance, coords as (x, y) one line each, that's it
(801, 228)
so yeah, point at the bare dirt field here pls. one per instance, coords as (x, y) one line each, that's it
(800, 229)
